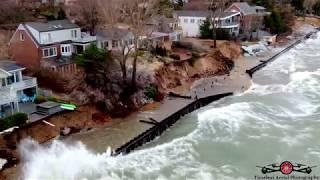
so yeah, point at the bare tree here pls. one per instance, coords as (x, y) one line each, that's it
(133, 14)
(11, 13)
(308, 5)
(216, 8)
(89, 14)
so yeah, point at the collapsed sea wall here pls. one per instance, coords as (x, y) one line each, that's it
(251, 71)
(166, 123)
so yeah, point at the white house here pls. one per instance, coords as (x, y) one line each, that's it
(189, 21)
(115, 39)
(14, 87)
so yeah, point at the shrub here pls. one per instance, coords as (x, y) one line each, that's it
(183, 45)
(53, 99)
(205, 31)
(222, 34)
(151, 91)
(158, 50)
(39, 99)
(194, 58)
(48, 14)
(175, 56)
(17, 119)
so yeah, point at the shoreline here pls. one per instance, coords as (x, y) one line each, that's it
(166, 123)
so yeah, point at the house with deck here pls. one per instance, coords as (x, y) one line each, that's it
(14, 87)
(49, 44)
(160, 29)
(190, 20)
(251, 17)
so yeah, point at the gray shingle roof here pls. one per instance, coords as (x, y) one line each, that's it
(245, 8)
(113, 33)
(9, 66)
(259, 7)
(52, 25)
(192, 13)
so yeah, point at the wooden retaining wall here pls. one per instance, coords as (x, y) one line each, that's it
(162, 126)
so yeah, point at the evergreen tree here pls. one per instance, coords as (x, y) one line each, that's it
(268, 4)
(205, 31)
(275, 23)
(61, 14)
(297, 4)
(316, 8)
(178, 5)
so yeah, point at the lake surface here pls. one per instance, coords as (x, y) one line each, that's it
(276, 120)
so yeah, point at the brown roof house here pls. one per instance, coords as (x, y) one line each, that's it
(50, 45)
(251, 18)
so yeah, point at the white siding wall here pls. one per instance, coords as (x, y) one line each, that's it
(34, 33)
(190, 29)
(58, 36)
(191, 25)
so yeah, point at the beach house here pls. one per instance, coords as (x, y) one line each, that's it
(251, 17)
(14, 87)
(190, 20)
(114, 39)
(49, 44)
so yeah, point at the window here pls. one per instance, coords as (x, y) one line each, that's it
(185, 20)
(65, 49)
(192, 20)
(114, 43)
(104, 45)
(49, 52)
(74, 33)
(21, 36)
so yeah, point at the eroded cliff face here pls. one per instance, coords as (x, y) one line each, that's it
(172, 76)
(178, 76)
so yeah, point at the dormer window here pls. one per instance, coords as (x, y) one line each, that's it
(74, 33)
(21, 36)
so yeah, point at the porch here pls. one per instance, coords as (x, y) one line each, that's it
(81, 44)
(9, 109)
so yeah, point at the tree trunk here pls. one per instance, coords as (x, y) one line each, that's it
(124, 72)
(214, 37)
(134, 72)
(134, 65)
